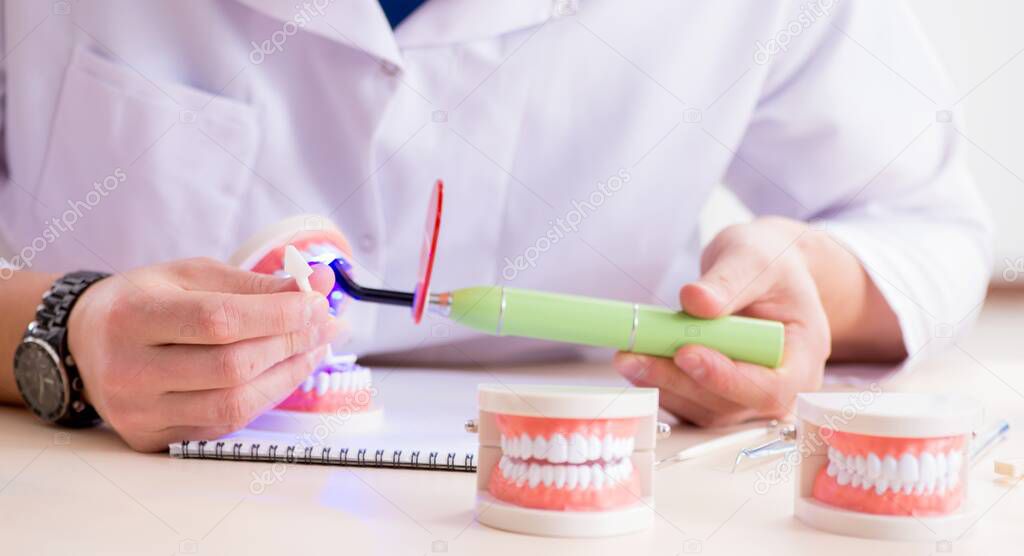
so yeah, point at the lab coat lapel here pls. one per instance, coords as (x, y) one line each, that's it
(439, 22)
(359, 24)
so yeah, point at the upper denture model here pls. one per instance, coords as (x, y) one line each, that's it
(565, 460)
(885, 465)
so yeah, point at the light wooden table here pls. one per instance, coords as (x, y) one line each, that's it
(85, 492)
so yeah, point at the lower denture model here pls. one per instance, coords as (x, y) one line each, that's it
(566, 461)
(885, 465)
(338, 384)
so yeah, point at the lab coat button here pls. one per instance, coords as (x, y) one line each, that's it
(565, 8)
(388, 68)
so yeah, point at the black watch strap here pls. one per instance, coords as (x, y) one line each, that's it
(51, 326)
(58, 301)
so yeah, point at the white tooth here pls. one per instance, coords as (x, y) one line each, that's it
(952, 480)
(627, 468)
(832, 453)
(611, 473)
(839, 458)
(547, 474)
(909, 472)
(867, 483)
(534, 475)
(593, 448)
(584, 476)
(927, 469)
(832, 469)
(630, 445)
(874, 466)
(572, 476)
(620, 448)
(577, 448)
(559, 476)
(920, 487)
(504, 444)
(881, 485)
(503, 465)
(558, 449)
(895, 486)
(540, 447)
(929, 487)
(890, 469)
(954, 460)
(346, 381)
(525, 446)
(597, 476)
(323, 381)
(855, 480)
(908, 488)
(520, 474)
(335, 381)
(940, 486)
(308, 384)
(860, 466)
(607, 447)
(940, 464)
(513, 446)
(843, 478)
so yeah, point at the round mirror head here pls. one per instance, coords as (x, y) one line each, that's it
(433, 228)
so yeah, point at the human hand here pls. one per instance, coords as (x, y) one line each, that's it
(759, 270)
(195, 348)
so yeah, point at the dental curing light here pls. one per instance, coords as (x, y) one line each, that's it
(633, 327)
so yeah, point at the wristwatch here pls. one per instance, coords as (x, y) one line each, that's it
(44, 370)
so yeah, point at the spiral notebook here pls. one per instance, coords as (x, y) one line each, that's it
(278, 452)
(417, 424)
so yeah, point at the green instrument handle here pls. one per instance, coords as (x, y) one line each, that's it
(615, 324)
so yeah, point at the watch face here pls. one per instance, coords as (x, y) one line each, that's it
(40, 379)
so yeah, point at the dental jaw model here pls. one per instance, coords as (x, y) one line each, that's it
(285, 249)
(892, 467)
(338, 383)
(566, 461)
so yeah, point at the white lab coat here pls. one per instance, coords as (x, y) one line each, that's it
(578, 141)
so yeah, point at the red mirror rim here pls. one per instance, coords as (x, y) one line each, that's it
(433, 230)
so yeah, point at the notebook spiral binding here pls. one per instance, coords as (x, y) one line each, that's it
(323, 455)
